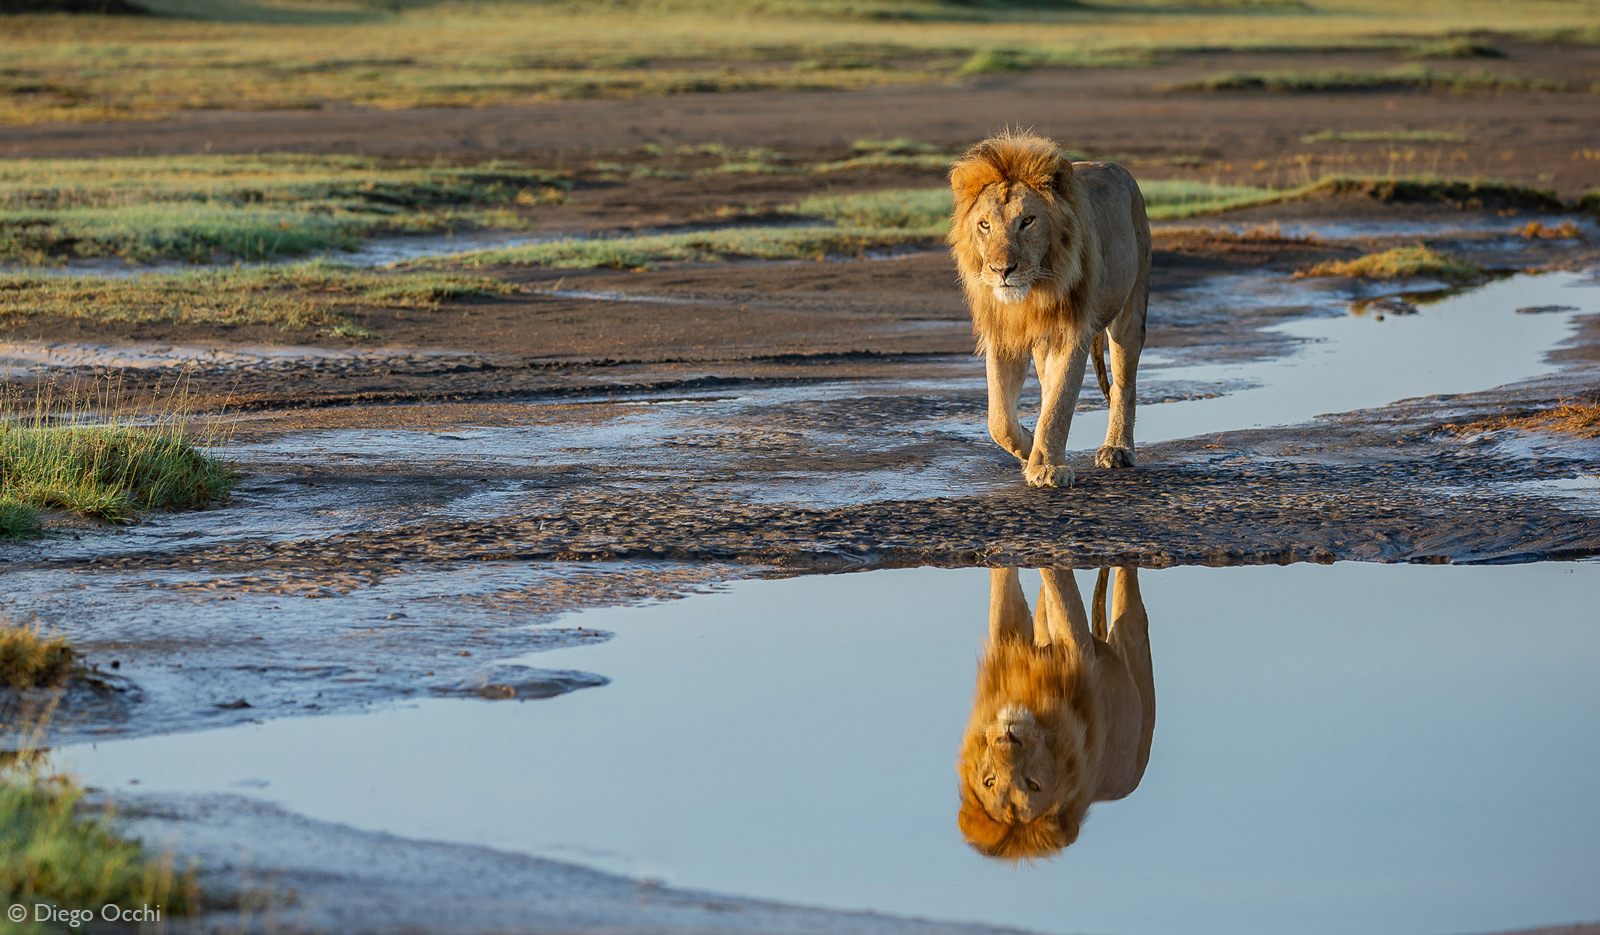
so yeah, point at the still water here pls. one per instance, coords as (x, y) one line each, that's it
(1331, 749)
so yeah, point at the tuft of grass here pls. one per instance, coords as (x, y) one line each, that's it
(1566, 230)
(1459, 47)
(18, 520)
(1398, 263)
(1417, 77)
(995, 61)
(107, 467)
(1384, 136)
(196, 208)
(29, 659)
(314, 294)
(55, 851)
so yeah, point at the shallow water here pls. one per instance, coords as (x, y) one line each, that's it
(1336, 748)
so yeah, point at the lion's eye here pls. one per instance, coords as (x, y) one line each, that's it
(983, 225)
(1027, 220)
(989, 783)
(1033, 786)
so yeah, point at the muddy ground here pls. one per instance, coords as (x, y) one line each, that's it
(414, 503)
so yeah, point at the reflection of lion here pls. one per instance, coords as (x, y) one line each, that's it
(1054, 256)
(1063, 716)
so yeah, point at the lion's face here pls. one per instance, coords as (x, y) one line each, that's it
(1017, 774)
(1011, 230)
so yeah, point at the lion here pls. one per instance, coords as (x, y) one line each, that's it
(1054, 258)
(1063, 714)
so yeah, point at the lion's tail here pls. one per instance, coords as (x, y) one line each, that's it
(1097, 353)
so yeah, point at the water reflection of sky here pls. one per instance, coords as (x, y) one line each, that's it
(1347, 748)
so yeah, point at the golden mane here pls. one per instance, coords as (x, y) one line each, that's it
(1049, 682)
(1054, 311)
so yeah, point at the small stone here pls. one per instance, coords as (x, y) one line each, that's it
(1546, 309)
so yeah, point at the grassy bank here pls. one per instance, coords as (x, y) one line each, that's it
(1414, 262)
(313, 295)
(200, 208)
(69, 455)
(1416, 77)
(278, 55)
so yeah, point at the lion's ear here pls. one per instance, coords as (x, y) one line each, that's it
(1063, 178)
(982, 832)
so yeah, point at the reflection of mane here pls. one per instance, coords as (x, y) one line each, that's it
(1047, 681)
(1062, 715)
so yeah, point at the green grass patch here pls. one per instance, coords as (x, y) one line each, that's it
(1590, 201)
(307, 295)
(783, 243)
(30, 659)
(1384, 136)
(1411, 262)
(198, 208)
(1459, 47)
(56, 852)
(1417, 77)
(18, 520)
(113, 471)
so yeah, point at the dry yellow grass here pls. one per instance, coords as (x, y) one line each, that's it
(1566, 230)
(1398, 263)
(1575, 418)
(29, 659)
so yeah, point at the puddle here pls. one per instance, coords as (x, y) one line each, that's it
(1336, 748)
(1463, 343)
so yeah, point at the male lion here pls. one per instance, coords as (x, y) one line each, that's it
(1063, 715)
(1054, 256)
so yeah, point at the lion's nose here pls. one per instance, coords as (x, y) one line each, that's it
(1004, 272)
(1011, 737)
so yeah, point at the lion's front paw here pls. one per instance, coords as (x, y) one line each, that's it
(1047, 475)
(1113, 457)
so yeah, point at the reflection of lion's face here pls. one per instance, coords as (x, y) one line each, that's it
(1025, 784)
(1012, 232)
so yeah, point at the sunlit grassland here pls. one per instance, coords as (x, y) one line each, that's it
(250, 207)
(312, 295)
(277, 55)
(80, 453)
